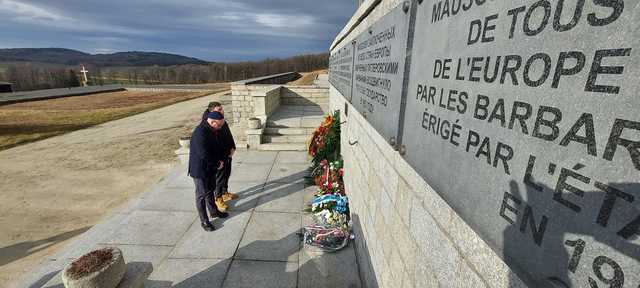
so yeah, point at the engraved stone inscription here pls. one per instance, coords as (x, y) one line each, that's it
(380, 54)
(525, 117)
(341, 69)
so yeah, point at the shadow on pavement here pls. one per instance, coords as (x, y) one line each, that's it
(23, 249)
(318, 270)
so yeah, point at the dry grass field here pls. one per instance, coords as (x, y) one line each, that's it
(25, 122)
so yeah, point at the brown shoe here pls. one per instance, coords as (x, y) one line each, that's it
(222, 207)
(228, 196)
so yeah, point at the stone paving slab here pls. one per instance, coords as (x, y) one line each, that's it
(151, 254)
(169, 199)
(153, 228)
(45, 272)
(286, 172)
(182, 182)
(100, 233)
(263, 274)
(257, 246)
(284, 198)
(189, 273)
(249, 193)
(255, 157)
(288, 157)
(251, 172)
(271, 237)
(222, 243)
(328, 269)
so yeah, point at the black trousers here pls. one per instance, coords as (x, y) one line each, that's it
(222, 178)
(204, 198)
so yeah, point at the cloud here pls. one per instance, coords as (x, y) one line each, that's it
(283, 21)
(27, 12)
(103, 51)
(212, 30)
(49, 18)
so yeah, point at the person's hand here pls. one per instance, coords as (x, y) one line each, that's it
(221, 165)
(233, 151)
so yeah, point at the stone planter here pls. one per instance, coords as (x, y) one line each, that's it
(254, 123)
(184, 142)
(109, 274)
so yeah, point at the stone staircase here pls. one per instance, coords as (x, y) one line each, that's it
(290, 127)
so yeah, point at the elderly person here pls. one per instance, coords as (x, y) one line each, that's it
(206, 160)
(224, 136)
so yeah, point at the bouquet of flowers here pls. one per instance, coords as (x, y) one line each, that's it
(330, 201)
(331, 210)
(329, 239)
(328, 177)
(325, 141)
(331, 218)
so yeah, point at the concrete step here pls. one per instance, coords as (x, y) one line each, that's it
(296, 122)
(285, 138)
(275, 131)
(309, 125)
(283, 147)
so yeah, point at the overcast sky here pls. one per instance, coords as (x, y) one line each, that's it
(214, 30)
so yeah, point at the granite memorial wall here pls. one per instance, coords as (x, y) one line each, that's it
(524, 116)
(379, 64)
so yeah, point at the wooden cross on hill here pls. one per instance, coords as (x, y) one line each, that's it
(84, 73)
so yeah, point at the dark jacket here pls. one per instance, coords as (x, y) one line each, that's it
(224, 135)
(205, 152)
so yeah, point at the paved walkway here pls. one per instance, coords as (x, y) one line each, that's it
(257, 246)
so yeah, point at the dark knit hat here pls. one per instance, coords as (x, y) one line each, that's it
(215, 115)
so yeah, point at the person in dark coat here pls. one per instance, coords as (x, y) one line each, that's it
(206, 160)
(222, 179)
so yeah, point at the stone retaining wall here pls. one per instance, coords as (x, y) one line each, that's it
(273, 100)
(253, 101)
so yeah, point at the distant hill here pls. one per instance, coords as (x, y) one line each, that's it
(72, 57)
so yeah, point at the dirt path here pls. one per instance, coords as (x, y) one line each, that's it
(55, 189)
(307, 77)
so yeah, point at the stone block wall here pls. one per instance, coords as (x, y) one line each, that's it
(244, 97)
(272, 100)
(406, 234)
(242, 104)
(304, 95)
